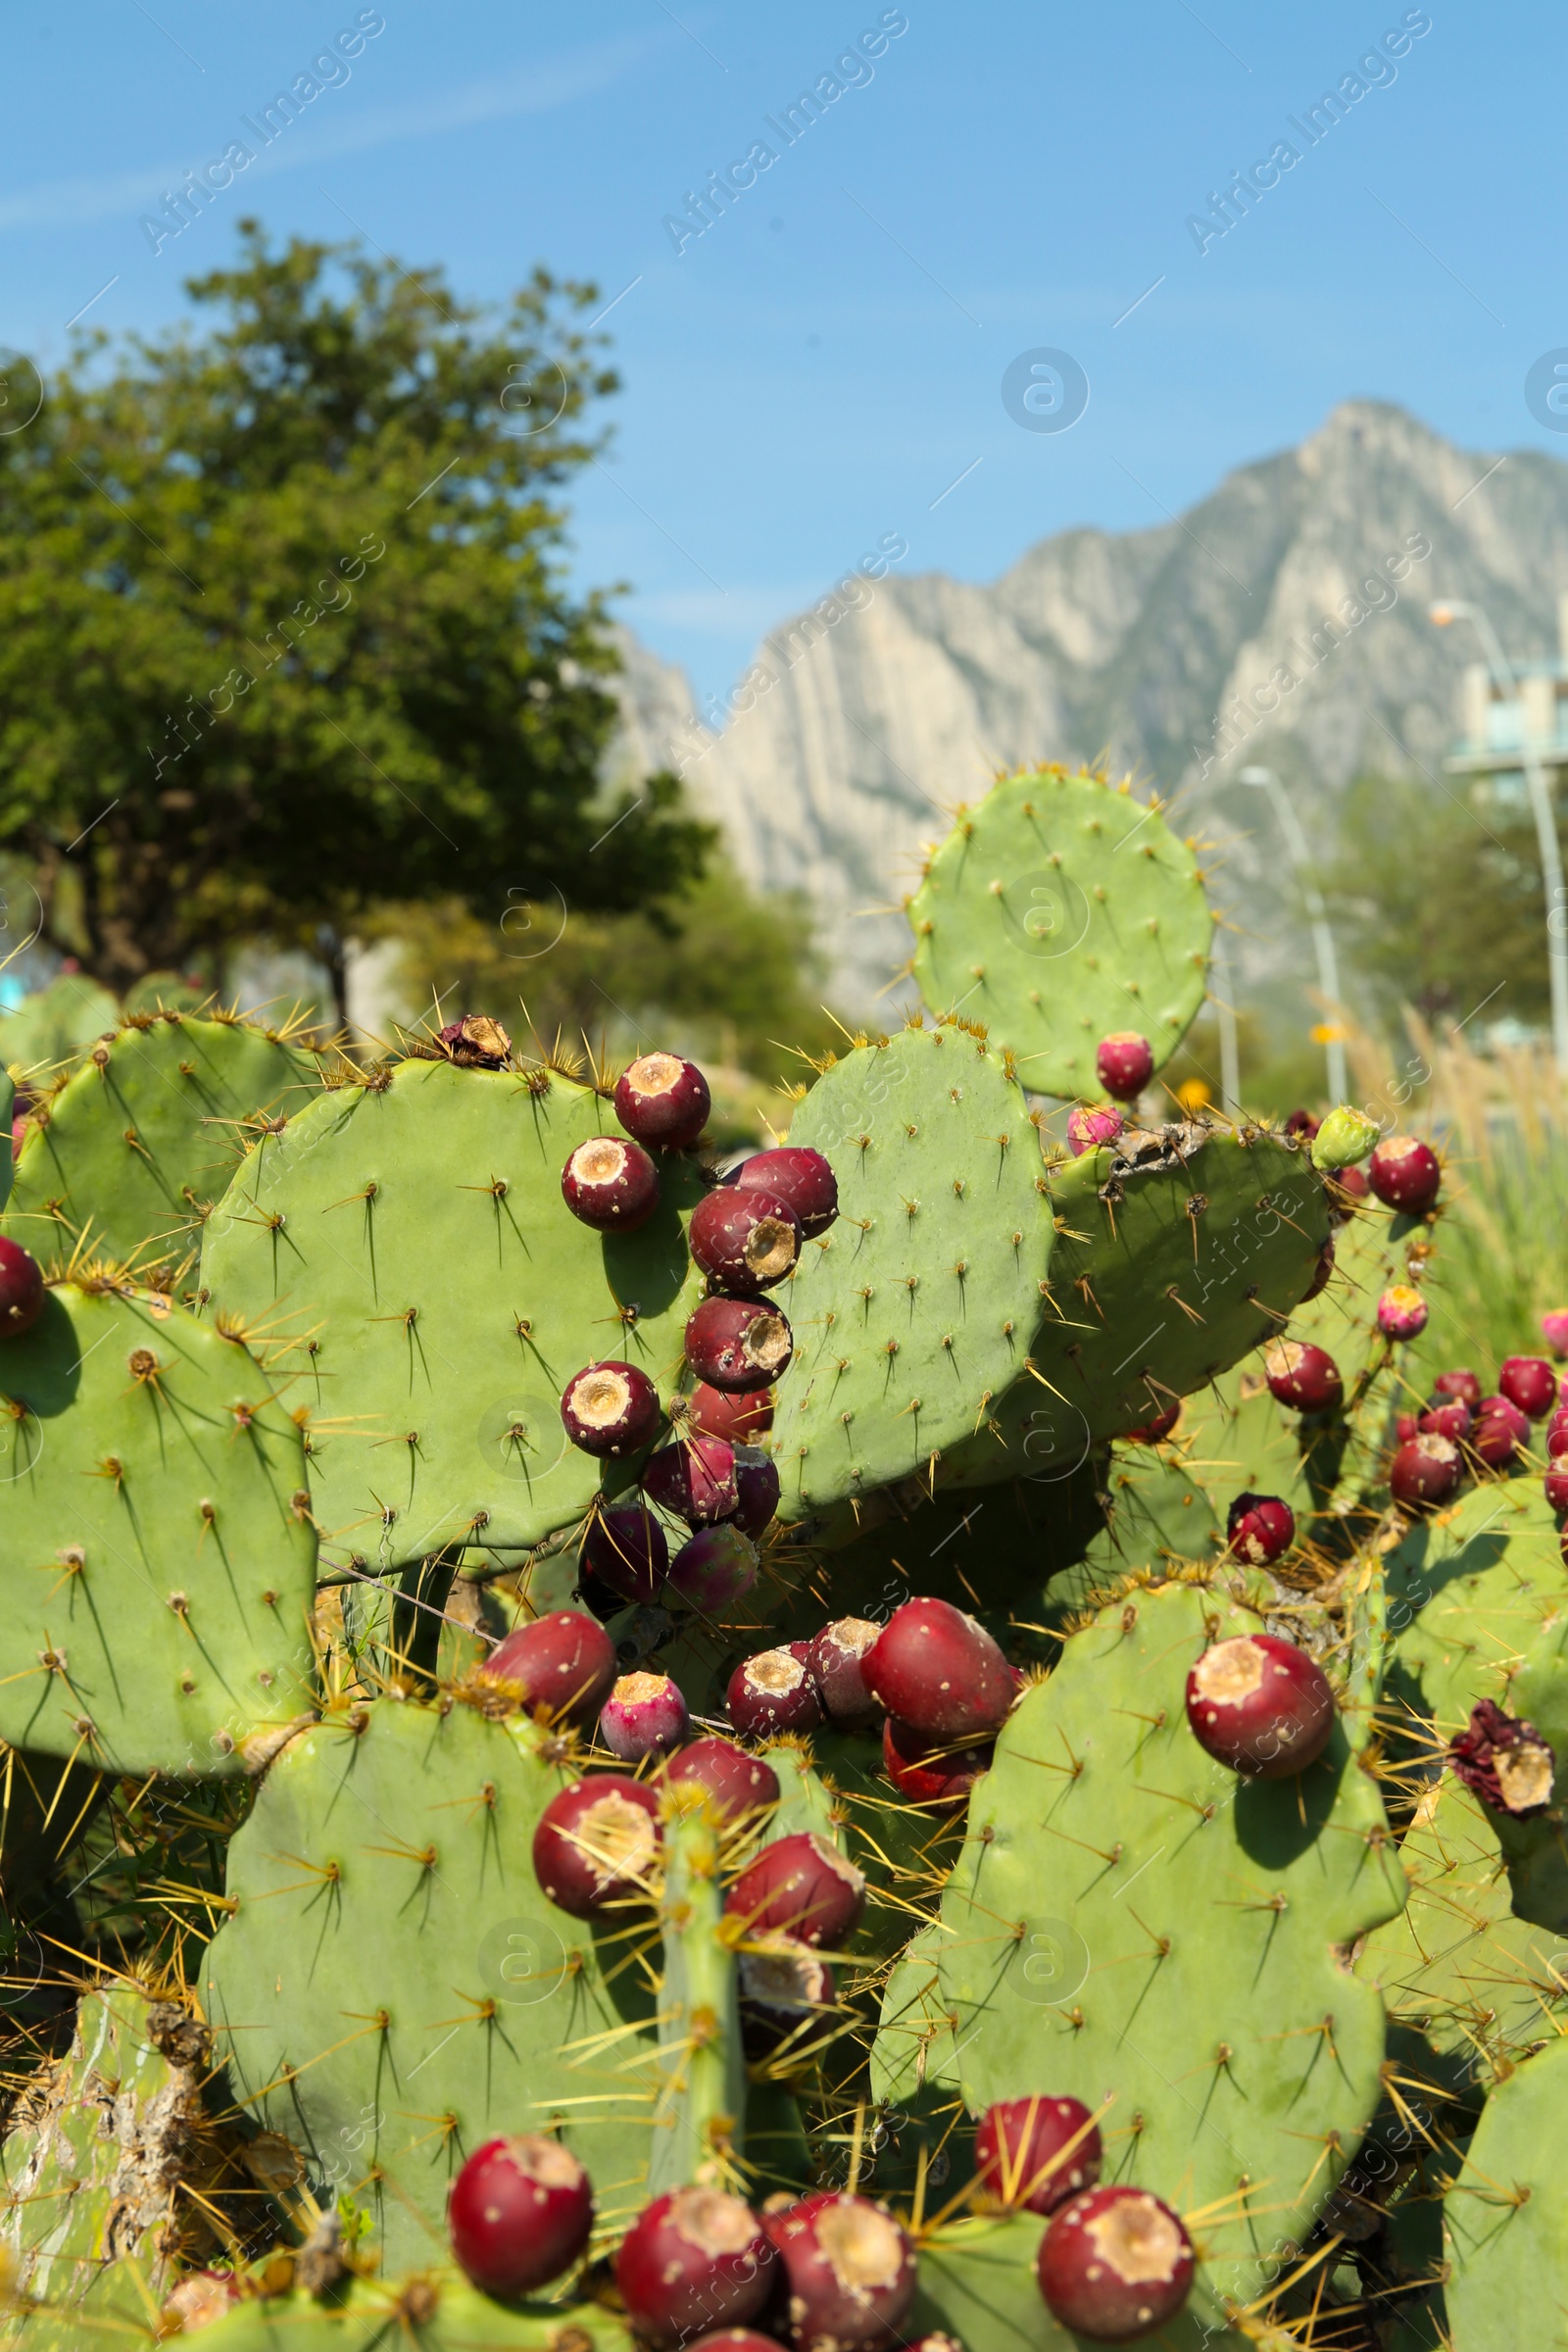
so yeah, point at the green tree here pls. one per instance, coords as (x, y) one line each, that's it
(284, 633)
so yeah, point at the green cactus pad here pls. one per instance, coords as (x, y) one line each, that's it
(55, 1023)
(1124, 1903)
(414, 1229)
(1502, 2220)
(136, 1146)
(916, 1309)
(1471, 1593)
(434, 2309)
(1059, 909)
(155, 1539)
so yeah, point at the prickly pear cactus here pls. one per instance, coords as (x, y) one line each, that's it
(434, 2308)
(1059, 909)
(1502, 2220)
(1471, 1593)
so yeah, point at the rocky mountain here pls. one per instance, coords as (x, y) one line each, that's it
(1281, 620)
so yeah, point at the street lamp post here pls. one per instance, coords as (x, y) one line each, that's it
(1505, 678)
(1230, 1060)
(1328, 962)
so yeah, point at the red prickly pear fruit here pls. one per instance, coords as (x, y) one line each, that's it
(838, 1663)
(711, 1413)
(1152, 1432)
(786, 1990)
(714, 1570)
(1304, 1124)
(1504, 1761)
(1301, 1375)
(694, 1479)
(1401, 1312)
(1093, 1124)
(733, 2339)
(1498, 1432)
(564, 1663)
(1555, 1486)
(692, 2257)
(610, 1185)
(1460, 1382)
(475, 1043)
(1557, 1433)
(1406, 1427)
(941, 1673)
(851, 2272)
(18, 1134)
(1261, 1527)
(801, 1886)
(799, 1176)
(21, 1290)
(737, 1783)
(1125, 1063)
(1114, 2265)
(1405, 1173)
(645, 1715)
(1260, 1705)
(1349, 1184)
(611, 1409)
(661, 1100)
(596, 1842)
(519, 2214)
(736, 1345)
(1321, 1272)
(744, 1240)
(1427, 1469)
(931, 1772)
(627, 1549)
(1448, 1418)
(774, 1692)
(756, 1485)
(1554, 1331)
(1036, 2153)
(1529, 1382)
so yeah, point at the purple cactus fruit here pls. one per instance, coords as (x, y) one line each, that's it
(1405, 1173)
(610, 1185)
(744, 1240)
(1152, 1433)
(736, 1345)
(1261, 1527)
(714, 1570)
(1498, 1432)
(1555, 1486)
(694, 1480)
(1504, 1761)
(1554, 1331)
(1448, 1417)
(1321, 1272)
(799, 1885)
(1557, 1432)
(627, 1549)
(932, 1772)
(733, 2339)
(1093, 1124)
(563, 1663)
(661, 1100)
(475, 1043)
(1401, 1312)
(850, 2271)
(21, 1290)
(838, 1662)
(756, 1488)
(1302, 1124)
(711, 1413)
(1426, 1469)
(609, 1408)
(774, 1692)
(597, 1843)
(1461, 1382)
(738, 1784)
(1301, 1375)
(802, 1178)
(1034, 2154)
(1529, 1382)
(786, 1992)
(645, 1715)
(690, 2258)
(19, 1134)
(1125, 1063)
(1406, 1427)
(520, 2213)
(939, 1672)
(1114, 2264)
(1260, 1705)
(1347, 1184)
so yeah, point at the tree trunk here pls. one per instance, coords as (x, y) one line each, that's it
(330, 949)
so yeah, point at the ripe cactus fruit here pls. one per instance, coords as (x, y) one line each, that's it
(1504, 1760)
(1405, 1174)
(931, 1772)
(1260, 1528)
(743, 1420)
(21, 1290)
(735, 1346)
(1448, 1419)
(1497, 1432)
(475, 1042)
(1115, 2265)
(563, 1663)
(596, 1843)
(645, 1715)
(1401, 1312)
(1154, 1432)
(939, 1672)
(801, 1886)
(1037, 2153)
(610, 1185)
(1301, 1375)
(774, 1691)
(742, 1239)
(663, 1100)
(1094, 1124)
(786, 1993)
(1426, 1469)
(694, 1479)
(1124, 1063)
(627, 1549)
(838, 1667)
(1260, 1705)
(1460, 1384)
(851, 2272)
(692, 2257)
(737, 1784)
(714, 1570)
(1554, 1486)
(1530, 1385)
(521, 2214)
(611, 1409)
(1554, 1331)
(802, 1178)
(757, 1489)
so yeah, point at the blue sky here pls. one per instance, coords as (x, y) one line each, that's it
(825, 361)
